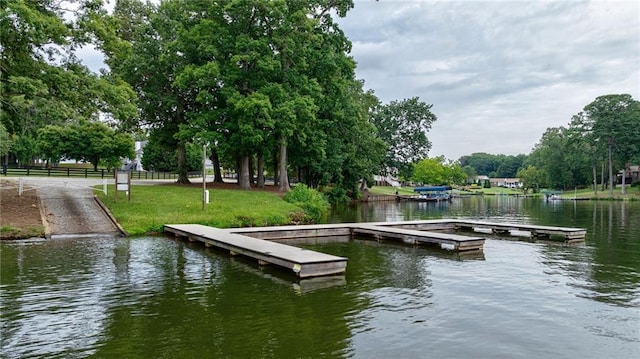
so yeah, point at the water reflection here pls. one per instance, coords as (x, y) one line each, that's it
(155, 297)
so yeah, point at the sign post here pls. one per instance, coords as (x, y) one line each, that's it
(123, 183)
(205, 198)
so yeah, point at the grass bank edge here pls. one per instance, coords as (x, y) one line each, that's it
(151, 207)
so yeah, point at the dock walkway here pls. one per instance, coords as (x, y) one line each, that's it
(570, 234)
(454, 241)
(304, 263)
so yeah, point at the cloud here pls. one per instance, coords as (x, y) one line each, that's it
(498, 73)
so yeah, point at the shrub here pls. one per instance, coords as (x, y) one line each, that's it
(337, 195)
(312, 202)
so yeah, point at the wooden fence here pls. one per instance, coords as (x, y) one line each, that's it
(86, 173)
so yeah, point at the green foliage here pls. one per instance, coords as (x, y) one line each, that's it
(314, 204)
(86, 141)
(493, 165)
(24, 148)
(434, 171)
(470, 172)
(337, 195)
(530, 177)
(487, 184)
(403, 126)
(429, 171)
(5, 141)
(161, 156)
(573, 156)
(42, 81)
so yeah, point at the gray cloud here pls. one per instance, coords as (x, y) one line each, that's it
(498, 73)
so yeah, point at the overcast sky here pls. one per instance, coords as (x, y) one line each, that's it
(497, 73)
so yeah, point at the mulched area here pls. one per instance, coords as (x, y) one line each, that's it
(19, 215)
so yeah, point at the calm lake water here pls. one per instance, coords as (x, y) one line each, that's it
(154, 297)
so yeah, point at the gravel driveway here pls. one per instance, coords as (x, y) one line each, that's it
(70, 207)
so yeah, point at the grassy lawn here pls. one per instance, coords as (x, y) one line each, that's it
(633, 193)
(153, 206)
(494, 191)
(12, 232)
(388, 190)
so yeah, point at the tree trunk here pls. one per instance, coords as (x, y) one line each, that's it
(602, 176)
(217, 172)
(276, 180)
(595, 179)
(251, 174)
(182, 164)
(283, 183)
(260, 171)
(623, 190)
(363, 184)
(243, 180)
(610, 167)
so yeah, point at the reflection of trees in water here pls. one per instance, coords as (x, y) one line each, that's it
(606, 267)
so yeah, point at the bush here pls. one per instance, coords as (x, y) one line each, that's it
(312, 202)
(337, 195)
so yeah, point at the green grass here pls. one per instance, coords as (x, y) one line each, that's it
(10, 232)
(153, 206)
(389, 190)
(495, 191)
(633, 193)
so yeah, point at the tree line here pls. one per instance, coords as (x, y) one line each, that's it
(599, 141)
(266, 86)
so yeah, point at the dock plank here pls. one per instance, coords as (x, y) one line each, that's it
(535, 230)
(461, 243)
(303, 262)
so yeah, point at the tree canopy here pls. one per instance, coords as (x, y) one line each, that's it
(602, 138)
(42, 80)
(265, 83)
(403, 125)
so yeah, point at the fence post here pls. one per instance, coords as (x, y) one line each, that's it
(104, 185)
(68, 172)
(48, 172)
(20, 186)
(102, 174)
(86, 172)
(28, 170)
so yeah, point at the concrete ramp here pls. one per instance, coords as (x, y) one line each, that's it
(73, 211)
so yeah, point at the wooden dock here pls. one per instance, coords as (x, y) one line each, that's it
(304, 263)
(257, 242)
(445, 240)
(569, 234)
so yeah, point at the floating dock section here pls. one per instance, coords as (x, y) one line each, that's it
(257, 242)
(410, 236)
(304, 263)
(569, 234)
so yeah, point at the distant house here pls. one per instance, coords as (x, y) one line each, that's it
(135, 164)
(633, 175)
(505, 182)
